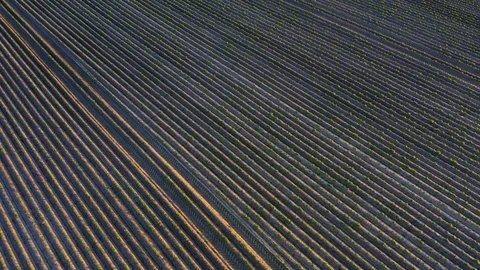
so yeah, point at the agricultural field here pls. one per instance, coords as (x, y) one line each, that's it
(241, 134)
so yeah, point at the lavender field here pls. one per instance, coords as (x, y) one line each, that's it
(196, 134)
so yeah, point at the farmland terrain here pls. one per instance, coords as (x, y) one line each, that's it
(196, 134)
